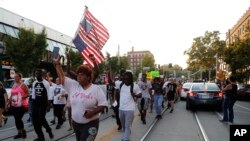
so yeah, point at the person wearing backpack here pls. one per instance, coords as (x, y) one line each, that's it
(128, 92)
(230, 92)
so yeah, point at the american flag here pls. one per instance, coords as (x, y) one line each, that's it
(90, 38)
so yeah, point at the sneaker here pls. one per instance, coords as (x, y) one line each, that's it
(5, 120)
(158, 117)
(230, 123)
(144, 121)
(53, 121)
(70, 128)
(119, 128)
(39, 139)
(51, 136)
(19, 135)
(24, 135)
(222, 120)
(58, 126)
(171, 111)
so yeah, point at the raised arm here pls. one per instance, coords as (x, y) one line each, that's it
(59, 69)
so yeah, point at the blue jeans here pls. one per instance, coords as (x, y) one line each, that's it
(228, 113)
(158, 98)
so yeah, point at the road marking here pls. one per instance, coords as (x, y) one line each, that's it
(220, 115)
(242, 107)
(201, 128)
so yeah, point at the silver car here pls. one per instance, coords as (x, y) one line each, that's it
(185, 88)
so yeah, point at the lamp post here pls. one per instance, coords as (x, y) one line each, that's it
(1, 54)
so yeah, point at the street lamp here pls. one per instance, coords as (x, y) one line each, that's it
(1, 54)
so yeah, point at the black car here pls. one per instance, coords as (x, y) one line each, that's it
(204, 94)
(243, 92)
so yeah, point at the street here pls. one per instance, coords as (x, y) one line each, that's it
(181, 125)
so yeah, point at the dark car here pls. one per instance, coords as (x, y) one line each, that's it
(204, 94)
(243, 92)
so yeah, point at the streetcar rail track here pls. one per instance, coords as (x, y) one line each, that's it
(153, 124)
(31, 130)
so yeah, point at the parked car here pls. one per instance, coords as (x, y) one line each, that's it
(185, 88)
(207, 94)
(243, 92)
(10, 83)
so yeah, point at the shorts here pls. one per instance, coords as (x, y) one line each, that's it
(170, 96)
(143, 103)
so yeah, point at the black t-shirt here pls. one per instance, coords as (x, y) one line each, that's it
(40, 93)
(157, 87)
(171, 88)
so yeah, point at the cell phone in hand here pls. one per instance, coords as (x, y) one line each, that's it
(55, 52)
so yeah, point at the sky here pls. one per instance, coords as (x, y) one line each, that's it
(164, 27)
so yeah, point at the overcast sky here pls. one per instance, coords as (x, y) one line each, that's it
(164, 27)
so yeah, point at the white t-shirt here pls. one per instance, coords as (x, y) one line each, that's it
(82, 100)
(165, 85)
(127, 102)
(51, 88)
(117, 84)
(57, 92)
(145, 86)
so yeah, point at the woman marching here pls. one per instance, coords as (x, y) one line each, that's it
(87, 101)
(19, 104)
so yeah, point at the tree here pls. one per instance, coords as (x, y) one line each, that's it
(202, 53)
(27, 51)
(237, 56)
(113, 65)
(75, 58)
(148, 61)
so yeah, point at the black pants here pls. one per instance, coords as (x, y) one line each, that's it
(18, 113)
(58, 112)
(87, 131)
(116, 111)
(39, 120)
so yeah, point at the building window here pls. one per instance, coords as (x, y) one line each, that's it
(2, 30)
(10, 31)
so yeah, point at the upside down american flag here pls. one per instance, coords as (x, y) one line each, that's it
(90, 38)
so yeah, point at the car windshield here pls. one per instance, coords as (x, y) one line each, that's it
(187, 85)
(205, 87)
(9, 83)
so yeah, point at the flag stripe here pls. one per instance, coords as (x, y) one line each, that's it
(90, 38)
(98, 29)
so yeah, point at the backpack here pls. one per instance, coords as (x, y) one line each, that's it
(131, 89)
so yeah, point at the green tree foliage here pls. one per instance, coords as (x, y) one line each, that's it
(237, 56)
(148, 61)
(27, 51)
(114, 65)
(75, 57)
(202, 54)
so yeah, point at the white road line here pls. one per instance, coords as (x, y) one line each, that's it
(242, 107)
(201, 128)
(220, 115)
